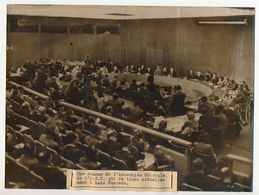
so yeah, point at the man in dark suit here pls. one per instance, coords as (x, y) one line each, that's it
(206, 107)
(70, 150)
(198, 178)
(125, 155)
(191, 75)
(53, 176)
(205, 151)
(28, 157)
(234, 123)
(172, 72)
(111, 145)
(199, 76)
(177, 104)
(137, 141)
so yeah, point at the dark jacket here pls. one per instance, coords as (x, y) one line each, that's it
(177, 104)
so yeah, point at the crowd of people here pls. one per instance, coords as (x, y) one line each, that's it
(94, 143)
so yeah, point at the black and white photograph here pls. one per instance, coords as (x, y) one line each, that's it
(135, 88)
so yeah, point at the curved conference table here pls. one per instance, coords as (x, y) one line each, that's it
(193, 89)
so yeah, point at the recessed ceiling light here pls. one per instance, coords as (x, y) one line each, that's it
(120, 14)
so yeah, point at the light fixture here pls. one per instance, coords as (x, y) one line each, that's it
(242, 22)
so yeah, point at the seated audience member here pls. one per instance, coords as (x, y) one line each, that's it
(204, 150)
(126, 70)
(100, 98)
(52, 138)
(165, 72)
(208, 76)
(228, 179)
(17, 95)
(153, 90)
(142, 69)
(114, 83)
(214, 79)
(162, 126)
(222, 162)
(245, 86)
(28, 157)
(90, 124)
(103, 70)
(75, 71)
(24, 109)
(191, 75)
(158, 71)
(133, 88)
(70, 150)
(57, 121)
(148, 71)
(177, 103)
(51, 82)
(142, 94)
(172, 72)
(116, 104)
(137, 141)
(71, 92)
(106, 82)
(199, 76)
(111, 145)
(241, 96)
(55, 94)
(197, 176)
(11, 140)
(125, 155)
(38, 83)
(71, 118)
(30, 69)
(53, 176)
(158, 109)
(42, 107)
(232, 85)
(115, 69)
(122, 89)
(205, 106)
(225, 82)
(89, 100)
(138, 71)
(190, 126)
(87, 163)
(221, 82)
(132, 69)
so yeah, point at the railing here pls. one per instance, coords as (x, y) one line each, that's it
(129, 124)
(29, 90)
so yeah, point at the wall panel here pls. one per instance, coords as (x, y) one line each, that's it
(225, 49)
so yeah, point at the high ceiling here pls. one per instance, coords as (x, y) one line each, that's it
(123, 12)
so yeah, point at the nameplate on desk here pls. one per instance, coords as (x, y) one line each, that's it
(115, 180)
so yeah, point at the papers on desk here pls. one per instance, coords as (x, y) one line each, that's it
(174, 124)
(192, 106)
(15, 75)
(232, 92)
(148, 163)
(157, 121)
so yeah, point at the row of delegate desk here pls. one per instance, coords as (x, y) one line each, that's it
(192, 88)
